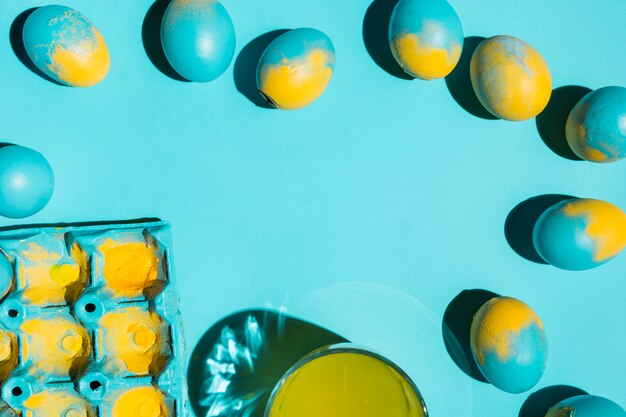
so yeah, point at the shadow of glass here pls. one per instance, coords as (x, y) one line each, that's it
(519, 224)
(376, 37)
(551, 121)
(283, 341)
(245, 68)
(459, 82)
(17, 44)
(151, 38)
(538, 403)
(457, 322)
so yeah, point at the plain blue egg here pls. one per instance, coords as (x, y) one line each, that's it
(198, 38)
(586, 406)
(6, 275)
(596, 126)
(26, 181)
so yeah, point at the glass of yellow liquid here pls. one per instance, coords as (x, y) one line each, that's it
(345, 381)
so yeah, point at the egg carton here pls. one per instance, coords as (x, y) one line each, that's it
(89, 322)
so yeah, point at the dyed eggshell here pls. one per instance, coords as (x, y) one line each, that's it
(510, 78)
(426, 37)
(586, 406)
(26, 181)
(198, 38)
(66, 46)
(295, 68)
(6, 275)
(596, 126)
(509, 344)
(580, 233)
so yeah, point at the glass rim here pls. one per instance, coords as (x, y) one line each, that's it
(333, 350)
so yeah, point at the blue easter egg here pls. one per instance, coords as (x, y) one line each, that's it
(586, 406)
(198, 38)
(296, 68)
(509, 344)
(26, 181)
(66, 46)
(6, 275)
(580, 233)
(596, 126)
(426, 37)
(510, 78)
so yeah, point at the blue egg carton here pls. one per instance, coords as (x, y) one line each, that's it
(90, 321)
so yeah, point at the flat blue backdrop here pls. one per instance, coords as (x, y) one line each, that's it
(367, 212)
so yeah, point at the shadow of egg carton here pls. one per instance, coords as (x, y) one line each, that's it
(89, 322)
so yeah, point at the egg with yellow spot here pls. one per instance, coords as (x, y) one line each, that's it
(66, 46)
(586, 406)
(509, 344)
(596, 126)
(580, 233)
(296, 68)
(426, 37)
(510, 78)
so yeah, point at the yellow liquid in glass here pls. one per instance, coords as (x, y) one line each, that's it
(346, 384)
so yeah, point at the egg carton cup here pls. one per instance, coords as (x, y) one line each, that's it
(90, 322)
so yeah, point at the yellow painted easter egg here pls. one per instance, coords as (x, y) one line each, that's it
(66, 46)
(296, 68)
(510, 78)
(426, 38)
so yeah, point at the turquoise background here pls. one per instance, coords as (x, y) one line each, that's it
(367, 212)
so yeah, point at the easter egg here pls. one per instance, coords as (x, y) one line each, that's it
(295, 68)
(6, 275)
(509, 344)
(510, 78)
(596, 126)
(198, 38)
(580, 233)
(586, 406)
(26, 181)
(426, 37)
(66, 46)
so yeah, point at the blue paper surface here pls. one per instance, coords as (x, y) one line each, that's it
(382, 196)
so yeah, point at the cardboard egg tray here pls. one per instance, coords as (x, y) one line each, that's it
(89, 323)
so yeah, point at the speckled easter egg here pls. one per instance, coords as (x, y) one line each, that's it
(596, 126)
(510, 78)
(198, 38)
(426, 37)
(509, 344)
(26, 181)
(580, 233)
(295, 68)
(586, 406)
(66, 46)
